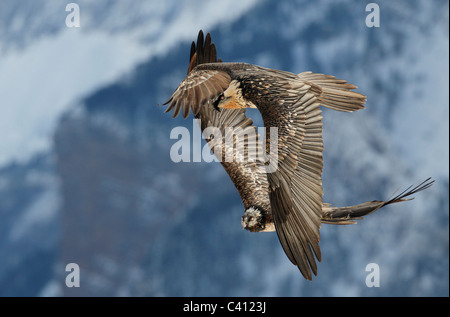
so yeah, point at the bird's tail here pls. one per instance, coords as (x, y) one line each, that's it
(335, 93)
(348, 215)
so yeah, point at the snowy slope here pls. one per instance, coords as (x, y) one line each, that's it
(44, 69)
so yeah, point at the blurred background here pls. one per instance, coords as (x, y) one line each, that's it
(86, 175)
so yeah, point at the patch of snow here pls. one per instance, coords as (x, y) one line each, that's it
(41, 81)
(42, 210)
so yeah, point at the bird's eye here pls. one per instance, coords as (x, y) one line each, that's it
(219, 98)
(216, 102)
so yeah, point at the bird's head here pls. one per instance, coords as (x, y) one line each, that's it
(253, 219)
(231, 98)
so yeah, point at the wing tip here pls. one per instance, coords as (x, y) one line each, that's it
(204, 51)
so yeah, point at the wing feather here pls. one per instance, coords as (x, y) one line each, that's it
(249, 176)
(198, 89)
(200, 86)
(295, 188)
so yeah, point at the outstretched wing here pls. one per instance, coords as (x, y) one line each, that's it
(200, 87)
(239, 148)
(233, 145)
(295, 188)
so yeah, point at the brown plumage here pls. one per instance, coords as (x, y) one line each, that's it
(284, 193)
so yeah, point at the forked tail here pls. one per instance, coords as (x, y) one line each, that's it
(348, 215)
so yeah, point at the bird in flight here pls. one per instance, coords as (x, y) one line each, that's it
(281, 192)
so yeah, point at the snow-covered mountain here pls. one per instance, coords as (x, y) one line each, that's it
(86, 175)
